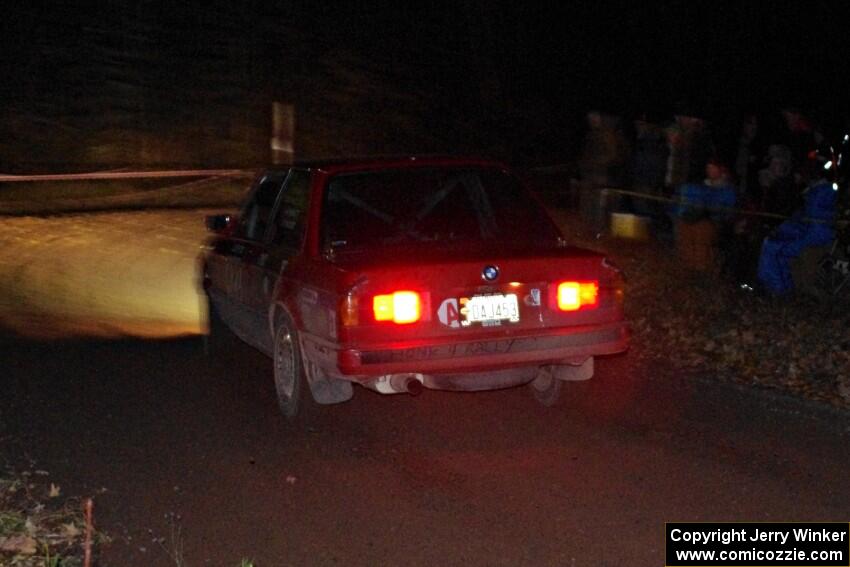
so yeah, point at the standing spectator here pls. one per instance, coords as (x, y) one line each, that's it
(677, 158)
(619, 169)
(699, 148)
(602, 164)
(649, 162)
(748, 159)
(801, 137)
(604, 154)
(597, 152)
(691, 147)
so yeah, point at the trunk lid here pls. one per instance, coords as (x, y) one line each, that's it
(457, 298)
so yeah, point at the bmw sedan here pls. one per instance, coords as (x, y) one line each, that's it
(408, 273)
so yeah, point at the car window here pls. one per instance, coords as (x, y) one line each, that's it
(256, 212)
(429, 205)
(290, 220)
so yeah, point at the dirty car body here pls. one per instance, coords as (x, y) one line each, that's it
(399, 274)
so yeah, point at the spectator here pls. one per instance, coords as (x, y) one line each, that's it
(774, 192)
(748, 159)
(721, 198)
(699, 147)
(703, 216)
(809, 227)
(778, 192)
(801, 137)
(599, 154)
(649, 162)
(602, 164)
(691, 147)
(677, 158)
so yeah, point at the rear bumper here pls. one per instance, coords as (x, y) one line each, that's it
(435, 357)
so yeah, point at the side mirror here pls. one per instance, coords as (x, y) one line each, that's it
(218, 223)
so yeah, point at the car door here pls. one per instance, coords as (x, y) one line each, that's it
(246, 242)
(283, 240)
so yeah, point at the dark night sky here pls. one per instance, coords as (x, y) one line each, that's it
(534, 69)
(628, 51)
(633, 55)
(745, 54)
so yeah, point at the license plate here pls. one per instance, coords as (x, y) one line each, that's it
(489, 309)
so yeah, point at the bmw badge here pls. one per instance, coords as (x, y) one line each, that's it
(490, 273)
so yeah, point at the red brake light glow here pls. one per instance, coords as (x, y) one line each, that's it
(572, 296)
(401, 307)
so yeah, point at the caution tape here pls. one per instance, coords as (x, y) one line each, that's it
(128, 175)
(743, 212)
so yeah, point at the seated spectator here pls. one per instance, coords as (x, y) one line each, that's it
(713, 199)
(774, 192)
(808, 227)
(703, 215)
(721, 197)
(779, 193)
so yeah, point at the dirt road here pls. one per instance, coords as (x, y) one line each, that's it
(188, 453)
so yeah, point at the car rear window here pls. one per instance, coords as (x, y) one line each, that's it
(379, 208)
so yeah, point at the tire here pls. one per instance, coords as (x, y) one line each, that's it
(545, 388)
(293, 392)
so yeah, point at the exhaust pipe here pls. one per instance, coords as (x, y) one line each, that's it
(413, 386)
(397, 384)
(406, 383)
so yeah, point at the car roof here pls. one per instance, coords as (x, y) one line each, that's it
(341, 165)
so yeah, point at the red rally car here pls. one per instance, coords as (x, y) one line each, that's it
(399, 274)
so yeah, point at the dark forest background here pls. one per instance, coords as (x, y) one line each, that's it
(153, 83)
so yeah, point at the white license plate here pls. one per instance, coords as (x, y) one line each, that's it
(489, 308)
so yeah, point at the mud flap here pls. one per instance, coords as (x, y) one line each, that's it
(574, 372)
(326, 390)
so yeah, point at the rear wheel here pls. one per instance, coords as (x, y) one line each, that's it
(545, 388)
(293, 392)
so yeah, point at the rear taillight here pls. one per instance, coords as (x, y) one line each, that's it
(573, 296)
(400, 307)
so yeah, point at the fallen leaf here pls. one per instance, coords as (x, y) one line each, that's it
(55, 491)
(23, 544)
(70, 531)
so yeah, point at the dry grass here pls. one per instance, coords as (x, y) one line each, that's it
(39, 526)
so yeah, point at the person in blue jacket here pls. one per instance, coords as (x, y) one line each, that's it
(702, 217)
(810, 226)
(713, 199)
